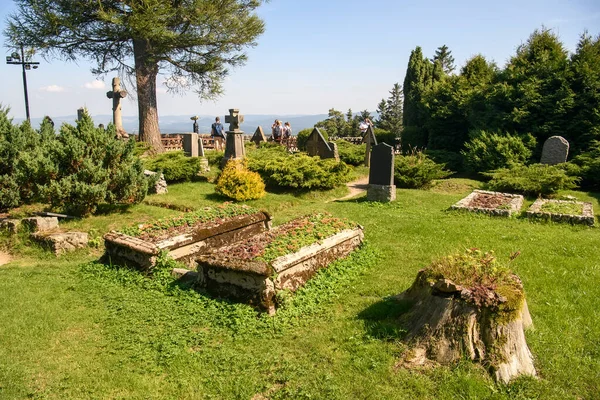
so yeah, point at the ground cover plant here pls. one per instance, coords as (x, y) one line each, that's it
(289, 237)
(73, 328)
(565, 207)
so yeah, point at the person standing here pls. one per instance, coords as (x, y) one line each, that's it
(217, 132)
(277, 131)
(287, 134)
(364, 125)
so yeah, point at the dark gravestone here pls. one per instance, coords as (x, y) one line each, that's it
(555, 150)
(370, 139)
(316, 145)
(259, 136)
(381, 174)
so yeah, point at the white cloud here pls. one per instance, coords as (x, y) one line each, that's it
(52, 88)
(94, 85)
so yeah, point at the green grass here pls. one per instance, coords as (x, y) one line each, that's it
(73, 329)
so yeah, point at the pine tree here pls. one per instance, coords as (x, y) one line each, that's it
(193, 41)
(444, 56)
(584, 126)
(417, 81)
(390, 111)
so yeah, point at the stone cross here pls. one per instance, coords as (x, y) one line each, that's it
(370, 140)
(116, 95)
(234, 119)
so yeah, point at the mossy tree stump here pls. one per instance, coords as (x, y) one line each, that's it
(467, 306)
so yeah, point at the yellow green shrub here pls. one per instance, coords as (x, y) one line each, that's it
(238, 183)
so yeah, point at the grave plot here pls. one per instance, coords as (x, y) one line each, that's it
(574, 212)
(184, 236)
(255, 270)
(492, 203)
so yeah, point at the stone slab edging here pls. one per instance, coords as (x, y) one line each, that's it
(515, 204)
(586, 217)
(259, 282)
(142, 254)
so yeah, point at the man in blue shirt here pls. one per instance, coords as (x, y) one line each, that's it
(217, 132)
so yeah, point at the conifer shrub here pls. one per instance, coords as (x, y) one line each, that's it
(214, 157)
(589, 166)
(534, 180)
(93, 167)
(384, 136)
(350, 153)
(238, 183)
(25, 167)
(280, 169)
(490, 151)
(175, 165)
(450, 159)
(416, 170)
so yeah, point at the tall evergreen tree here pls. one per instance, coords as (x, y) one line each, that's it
(444, 56)
(418, 79)
(584, 120)
(539, 96)
(194, 41)
(390, 112)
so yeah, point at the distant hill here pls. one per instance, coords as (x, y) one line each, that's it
(182, 123)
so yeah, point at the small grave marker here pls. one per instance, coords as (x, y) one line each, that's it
(259, 136)
(316, 145)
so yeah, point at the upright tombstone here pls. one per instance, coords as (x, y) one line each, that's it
(259, 136)
(190, 144)
(555, 150)
(80, 112)
(116, 95)
(381, 175)
(370, 139)
(234, 144)
(316, 145)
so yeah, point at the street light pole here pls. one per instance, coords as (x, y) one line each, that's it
(17, 59)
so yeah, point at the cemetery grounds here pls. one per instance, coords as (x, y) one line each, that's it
(72, 328)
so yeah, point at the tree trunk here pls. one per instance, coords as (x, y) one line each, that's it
(443, 325)
(146, 71)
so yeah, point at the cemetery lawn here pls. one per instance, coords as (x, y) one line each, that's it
(71, 328)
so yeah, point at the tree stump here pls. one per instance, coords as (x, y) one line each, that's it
(468, 315)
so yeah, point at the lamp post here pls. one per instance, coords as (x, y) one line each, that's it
(17, 59)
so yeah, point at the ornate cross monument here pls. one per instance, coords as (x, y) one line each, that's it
(116, 95)
(234, 145)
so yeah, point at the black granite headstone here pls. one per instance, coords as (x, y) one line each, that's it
(382, 165)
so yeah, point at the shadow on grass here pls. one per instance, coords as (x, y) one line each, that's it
(107, 209)
(382, 319)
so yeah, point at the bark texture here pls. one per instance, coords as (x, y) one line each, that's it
(446, 325)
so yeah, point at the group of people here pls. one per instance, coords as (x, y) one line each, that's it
(281, 133)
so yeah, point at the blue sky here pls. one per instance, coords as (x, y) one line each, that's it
(323, 54)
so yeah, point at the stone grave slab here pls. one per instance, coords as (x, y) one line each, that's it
(585, 217)
(225, 272)
(62, 242)
(185, 242)
(491, 203)
(40, 224)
